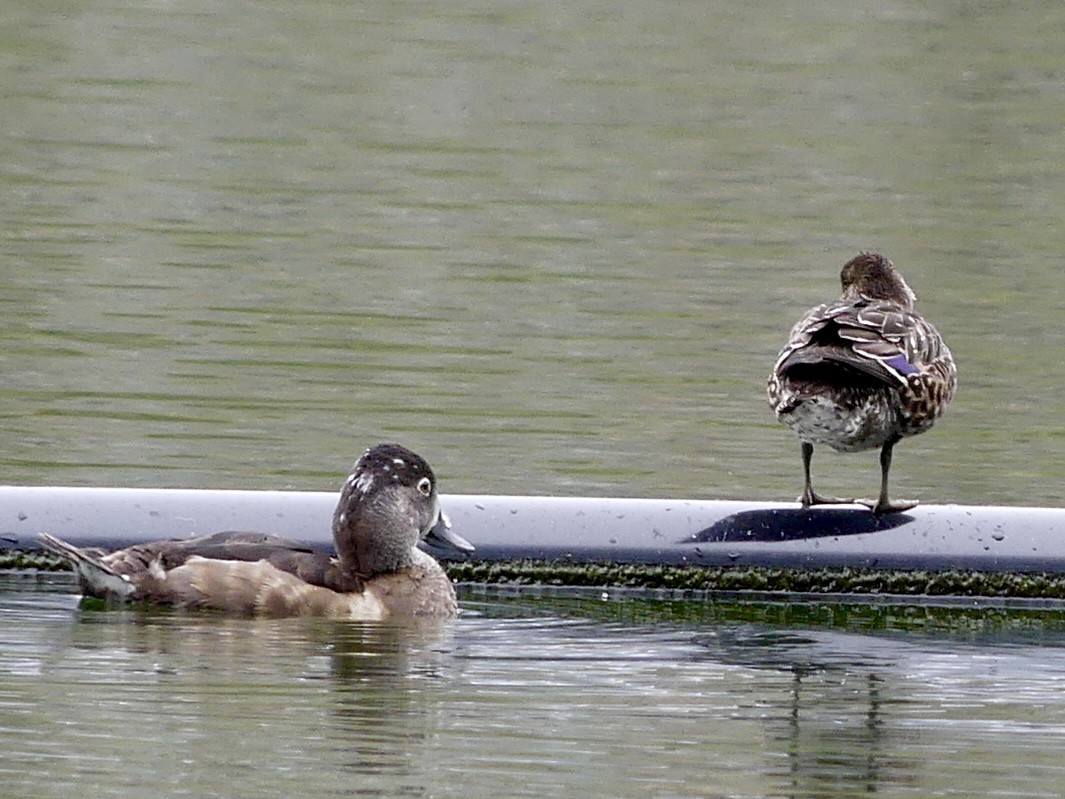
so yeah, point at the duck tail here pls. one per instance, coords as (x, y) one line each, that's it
(95, 577)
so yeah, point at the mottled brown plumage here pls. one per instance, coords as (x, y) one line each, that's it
(861, 372)
(388, 504)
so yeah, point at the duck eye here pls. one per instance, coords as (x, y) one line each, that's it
(425, 486)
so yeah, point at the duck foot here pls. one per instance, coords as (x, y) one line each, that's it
(883, 505)
(810, 497)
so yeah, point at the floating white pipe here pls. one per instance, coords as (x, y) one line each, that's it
(574, 529)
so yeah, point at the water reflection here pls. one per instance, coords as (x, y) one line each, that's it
(274, 707)
(528, 695)
(383, 716)
(833, 733)
(834, 757)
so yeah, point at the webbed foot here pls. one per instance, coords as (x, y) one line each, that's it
(884, 505)
(810, 497)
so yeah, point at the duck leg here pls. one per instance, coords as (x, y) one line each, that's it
(809, 496)
(883, 503)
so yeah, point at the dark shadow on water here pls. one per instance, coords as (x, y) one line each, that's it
(795, 524)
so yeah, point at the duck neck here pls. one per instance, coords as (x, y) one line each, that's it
(362, 550)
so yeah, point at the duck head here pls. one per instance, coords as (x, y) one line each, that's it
(388, 504)
(874, 277)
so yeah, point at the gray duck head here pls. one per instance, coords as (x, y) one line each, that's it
(387, 505)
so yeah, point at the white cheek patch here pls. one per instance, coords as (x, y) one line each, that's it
(363, 483)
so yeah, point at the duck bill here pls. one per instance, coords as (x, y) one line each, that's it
(442, 534)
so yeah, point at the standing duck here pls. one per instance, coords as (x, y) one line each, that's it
(860, 372)
(387, 505)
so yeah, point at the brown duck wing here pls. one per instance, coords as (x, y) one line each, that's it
(171, 553)
(903, 342)
(306, 563)
(315, 568)
(231, 546)
(877, 339)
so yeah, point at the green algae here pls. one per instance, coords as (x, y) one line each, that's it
(843, 580)
(32, 559)
(1041, 585)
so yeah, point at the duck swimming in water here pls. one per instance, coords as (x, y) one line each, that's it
(387, 505)
(861, 372)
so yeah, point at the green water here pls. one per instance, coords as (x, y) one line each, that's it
(532, 696)
(554, 247)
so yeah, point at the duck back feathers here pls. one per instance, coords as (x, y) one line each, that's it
(871, 341)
